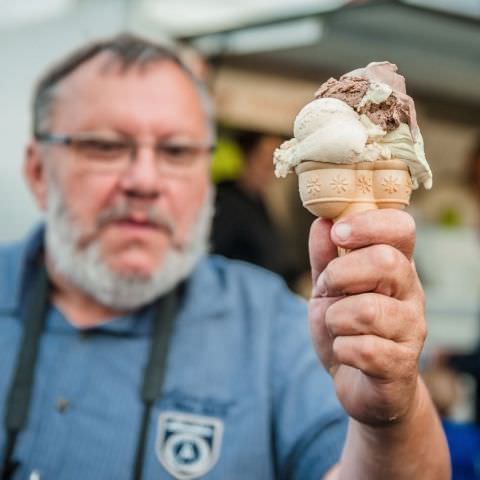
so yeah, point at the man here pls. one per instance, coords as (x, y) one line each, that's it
(91, 302)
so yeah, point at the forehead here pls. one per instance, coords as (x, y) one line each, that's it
(157, 98)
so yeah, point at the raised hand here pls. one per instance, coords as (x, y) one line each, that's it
(367, 312)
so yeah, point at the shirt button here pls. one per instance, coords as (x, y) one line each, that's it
(62, 405)
(34, 475)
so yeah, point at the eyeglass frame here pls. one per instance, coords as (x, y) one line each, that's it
(132, 144)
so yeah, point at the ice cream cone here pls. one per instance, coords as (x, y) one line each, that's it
(332, 190)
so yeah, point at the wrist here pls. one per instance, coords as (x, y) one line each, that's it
(412, 446)
(400, 425)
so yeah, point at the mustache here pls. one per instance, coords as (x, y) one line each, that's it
(127, 210)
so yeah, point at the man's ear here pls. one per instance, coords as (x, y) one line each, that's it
(35, 174)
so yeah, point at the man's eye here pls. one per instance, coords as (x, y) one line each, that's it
(101, 148)
(178, 152)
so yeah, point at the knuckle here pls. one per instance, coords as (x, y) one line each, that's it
(405, 230)
(421, 296)
(316, 312)
(413, 325)
(369, 310)
(313, 307)
(330, 274)
(410, 227)
(416, 319)
(386, 257)
(337, 348)
(330, 320)
(368, 351)
(423, 333)
(407, 359)
(422, 330)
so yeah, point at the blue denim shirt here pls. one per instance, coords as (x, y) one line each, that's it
(244, 394)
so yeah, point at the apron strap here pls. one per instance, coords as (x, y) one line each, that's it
(19, 395)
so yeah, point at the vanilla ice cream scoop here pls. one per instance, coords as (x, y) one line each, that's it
(326, 130)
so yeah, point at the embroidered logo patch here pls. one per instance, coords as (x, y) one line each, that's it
(187, 445)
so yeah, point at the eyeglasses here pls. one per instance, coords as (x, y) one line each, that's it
(116, 154)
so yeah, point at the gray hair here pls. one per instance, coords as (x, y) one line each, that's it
(129, 51)
(87, 269)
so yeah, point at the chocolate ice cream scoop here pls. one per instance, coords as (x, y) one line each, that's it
(377, 91)
(351, 90)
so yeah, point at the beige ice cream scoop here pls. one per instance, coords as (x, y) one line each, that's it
(357, 146)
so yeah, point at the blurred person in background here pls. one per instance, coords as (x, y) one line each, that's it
(463, 437)
(441, 378)
(242, 226)
(468, 362)
(473, 169)
(128, 352)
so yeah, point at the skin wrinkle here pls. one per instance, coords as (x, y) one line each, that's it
(357, 324)
(359, 314)
(336, 280)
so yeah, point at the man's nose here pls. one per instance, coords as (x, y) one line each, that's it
(142, 175)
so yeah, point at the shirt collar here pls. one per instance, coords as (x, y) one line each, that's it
(135, 324)
(205, 290)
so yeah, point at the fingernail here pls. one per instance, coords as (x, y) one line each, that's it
(342, 231)
(320, 289)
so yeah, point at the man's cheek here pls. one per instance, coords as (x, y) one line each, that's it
(88, 195)
(88, 217)
(194, 198)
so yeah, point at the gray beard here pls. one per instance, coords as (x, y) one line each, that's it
(86, 269)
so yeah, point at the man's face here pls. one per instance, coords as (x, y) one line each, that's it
(136, 214)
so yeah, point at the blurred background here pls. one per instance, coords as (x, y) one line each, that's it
(263, 60)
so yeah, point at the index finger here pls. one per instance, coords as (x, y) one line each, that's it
(320, 246)
(386, 226)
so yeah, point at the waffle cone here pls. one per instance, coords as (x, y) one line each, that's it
(332, 190)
